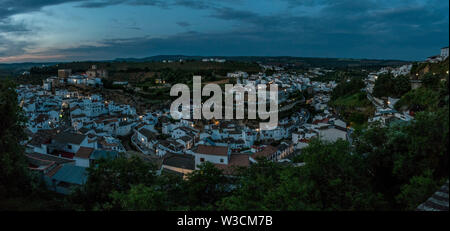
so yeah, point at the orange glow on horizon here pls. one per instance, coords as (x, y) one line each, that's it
(28, 58)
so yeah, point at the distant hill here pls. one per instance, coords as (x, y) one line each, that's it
(15, 69)
(279, 60)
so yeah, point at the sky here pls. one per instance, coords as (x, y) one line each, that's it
(76, 30)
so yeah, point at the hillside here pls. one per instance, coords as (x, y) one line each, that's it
(281, 60)
(194, 62)
(419, 70)
(433, 93)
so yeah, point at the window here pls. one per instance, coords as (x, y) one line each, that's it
(221, 160)
(69, 146)
(202, 159)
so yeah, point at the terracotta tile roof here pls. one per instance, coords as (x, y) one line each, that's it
(241, 160)
(42, 137)
(48, 157)
(236, 161)
(75, 108)
(266, 152)
(84, 152)
(41, 118)
(36, 163)
(53, 171)
(212, 150)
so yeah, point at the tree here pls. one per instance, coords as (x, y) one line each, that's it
(331, 179)
(388, 85)
(431, 81)
(419, 99)
(113, 175)
(253, 188)
(204, 187)
(141, 197)
(345, 88)
(417, 190)
(14, 175)
(339, 177)
(396, 154)
(401, 85)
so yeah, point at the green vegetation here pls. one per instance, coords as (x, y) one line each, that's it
(418, 100)
(388, 85)
(20, 189)
(401, 155)
(386, 168)
(347, 87)
(431, 96)
(108, 176)
(13, 175)
(341, 74)
(351, 103)
(355, 100)
(355, 109)
(420, 69)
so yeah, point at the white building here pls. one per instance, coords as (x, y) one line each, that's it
(213, 154)
(444, 52)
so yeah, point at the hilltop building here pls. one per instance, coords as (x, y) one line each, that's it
(64, 73)
(94, 72)
(444, 52)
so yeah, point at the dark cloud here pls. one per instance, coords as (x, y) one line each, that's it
(183, 24)
(259, 43)
(106, 3)
(193, 4)
(10, 47)
(12, 7)
(7, 26)
(407, 29)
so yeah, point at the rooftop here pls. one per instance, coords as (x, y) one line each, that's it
(180, 161)
(99, 154)
(212, 150)
(71, 174)
(71, 138)
(236, 161)
(84, 152)
(266, 152)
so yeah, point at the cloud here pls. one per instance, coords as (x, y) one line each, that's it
(183, 24)
(7, 26)
(12, 7)
(192, 4)
(106, 3)
(10, 47)
(410, 29)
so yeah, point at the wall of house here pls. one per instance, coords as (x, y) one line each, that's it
(40, 149)
(82, 162)
(177, 133)
(215, 159)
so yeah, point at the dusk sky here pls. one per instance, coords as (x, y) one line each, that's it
(70, 30)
